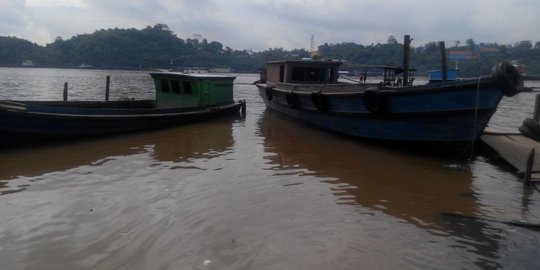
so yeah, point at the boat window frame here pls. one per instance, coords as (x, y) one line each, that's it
(175, 85)
(165, 87)
(188, 88)
(299, 74)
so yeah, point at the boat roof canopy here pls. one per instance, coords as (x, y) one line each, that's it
(308, 62)
(396, 69)
(180, 75)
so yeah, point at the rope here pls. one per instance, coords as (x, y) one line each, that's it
(475, 119)
(517, 223)
(349, 79)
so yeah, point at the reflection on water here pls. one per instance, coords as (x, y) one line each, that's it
(405, 186)
(173, 144)
(263, 192)
(410, 188)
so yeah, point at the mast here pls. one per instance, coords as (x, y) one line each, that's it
(443, 61)
(406, 45)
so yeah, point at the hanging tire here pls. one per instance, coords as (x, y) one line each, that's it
(508, 77)
(530, 128)
(269, 91)
(375, 101)
(292, 100)
(320, 101)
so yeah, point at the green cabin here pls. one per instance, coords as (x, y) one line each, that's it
(179, 90)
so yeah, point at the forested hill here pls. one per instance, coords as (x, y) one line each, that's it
(155, 47)
(148, 48)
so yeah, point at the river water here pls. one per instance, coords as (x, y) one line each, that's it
(264, 192)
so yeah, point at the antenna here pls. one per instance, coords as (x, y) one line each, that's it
(312, 44)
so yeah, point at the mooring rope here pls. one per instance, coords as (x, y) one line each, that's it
(517, 223)
(349, 79)
(475, 118)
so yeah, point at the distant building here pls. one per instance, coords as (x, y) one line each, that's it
(222, 70)
(27, 63)
(460, 55)
(488, 50)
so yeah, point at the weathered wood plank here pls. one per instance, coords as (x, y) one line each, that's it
(515, 149)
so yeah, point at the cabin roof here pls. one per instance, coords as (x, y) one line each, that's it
(308, 62)
(190, 75)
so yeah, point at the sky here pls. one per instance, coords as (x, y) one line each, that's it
(262, 24)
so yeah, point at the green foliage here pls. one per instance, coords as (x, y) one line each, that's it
(14, 51)
(156, 46)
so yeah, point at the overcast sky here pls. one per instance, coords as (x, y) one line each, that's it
(289, 24)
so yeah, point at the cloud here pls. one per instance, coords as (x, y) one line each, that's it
(262, 24)
(10, 16)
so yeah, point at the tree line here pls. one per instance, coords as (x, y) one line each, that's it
(158, 47)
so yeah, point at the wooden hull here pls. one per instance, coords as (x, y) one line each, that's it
(451, 112)
(47, 120)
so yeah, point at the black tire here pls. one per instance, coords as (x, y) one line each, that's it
(292, 100)
(269, 91)
(527, 132)
(508, 77)
(320, 101)
(375, 101)
(531, 129)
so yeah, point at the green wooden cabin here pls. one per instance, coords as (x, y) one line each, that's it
(178, 90)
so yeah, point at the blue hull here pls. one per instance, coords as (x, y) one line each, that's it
(451, 112)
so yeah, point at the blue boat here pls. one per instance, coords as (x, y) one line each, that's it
(445, 113)
(180, 98)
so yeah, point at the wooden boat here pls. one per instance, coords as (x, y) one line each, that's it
(449, 112)
(180, 98)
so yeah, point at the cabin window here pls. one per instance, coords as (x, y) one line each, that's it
(175, 86)
(165, 85)
(298, 74)
(187, 88)
(311, 74)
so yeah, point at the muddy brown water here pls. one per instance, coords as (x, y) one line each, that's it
(264, 192)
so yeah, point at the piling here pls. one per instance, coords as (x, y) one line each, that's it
(443, 61)
(536, 114)
(528, 168)
(65, 91)
(406, 45)
(107, 87)
(244, 108)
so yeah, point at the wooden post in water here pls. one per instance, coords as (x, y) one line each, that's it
(244, 108)
(528, 168)
(536, 114)
(443, 61)
(65, 91)
(107, 87)
(406, 45)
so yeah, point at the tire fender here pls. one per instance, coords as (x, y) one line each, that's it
(320, 101)
(292, 100)
(508, 77)
(375, 101)
(269, 92)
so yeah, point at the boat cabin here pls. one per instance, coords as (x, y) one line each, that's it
(303, 71)
(436, 75)
(178, 90)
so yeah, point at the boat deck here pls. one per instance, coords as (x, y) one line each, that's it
(515, 149)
